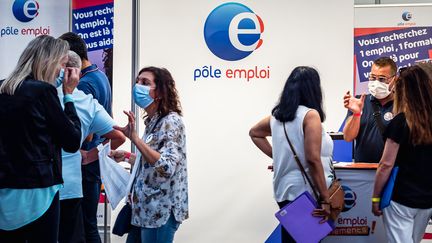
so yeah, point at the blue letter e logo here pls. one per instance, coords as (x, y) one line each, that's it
(232, 31)
(25, 10)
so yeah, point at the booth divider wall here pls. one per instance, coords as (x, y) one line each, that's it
(230, 188)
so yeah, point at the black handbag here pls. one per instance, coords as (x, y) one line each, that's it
(123, 224)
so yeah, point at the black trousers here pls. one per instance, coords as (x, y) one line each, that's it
(42, 230)
(91, 192)
(71, 221)
(286, 237)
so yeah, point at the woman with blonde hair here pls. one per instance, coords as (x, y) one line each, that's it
(408, 146)
(33, 130)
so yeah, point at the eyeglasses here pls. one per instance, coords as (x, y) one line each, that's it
(402, 69)
(382, 79)
(424, 61)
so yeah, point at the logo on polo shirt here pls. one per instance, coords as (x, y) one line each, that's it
(388, 116)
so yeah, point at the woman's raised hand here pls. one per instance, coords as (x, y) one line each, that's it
(129, 129)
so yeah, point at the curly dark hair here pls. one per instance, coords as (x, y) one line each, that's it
(166, 90)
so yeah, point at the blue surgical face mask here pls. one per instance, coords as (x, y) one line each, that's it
(141, 94)
(59, 79)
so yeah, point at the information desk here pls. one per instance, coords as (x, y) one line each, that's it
(357, 223)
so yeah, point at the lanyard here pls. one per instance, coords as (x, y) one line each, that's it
(149, 135)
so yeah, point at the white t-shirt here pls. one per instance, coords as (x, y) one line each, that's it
(288, 181)
(94, 119)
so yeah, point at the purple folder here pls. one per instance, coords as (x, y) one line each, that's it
(297, 219)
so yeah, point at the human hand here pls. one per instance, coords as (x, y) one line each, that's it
(376, 210)
(323, 212)
(129, 129)
(353, 104)
(84, 157)
(119, 155)
(70, 80)
(89, 138)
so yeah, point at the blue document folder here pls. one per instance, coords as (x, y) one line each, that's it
(297, 219)
(387, 192)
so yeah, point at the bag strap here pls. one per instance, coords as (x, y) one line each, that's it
(302, 169)
(377, 117)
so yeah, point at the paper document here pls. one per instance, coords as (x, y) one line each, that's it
(114, 177)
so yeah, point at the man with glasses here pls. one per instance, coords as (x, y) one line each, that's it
(368, 115)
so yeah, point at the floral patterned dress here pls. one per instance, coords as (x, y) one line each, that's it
(162, 188)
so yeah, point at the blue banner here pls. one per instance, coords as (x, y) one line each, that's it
(95, 25)
(404, 46)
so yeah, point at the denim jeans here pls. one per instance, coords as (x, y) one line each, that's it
(163, 234)
(285, 236)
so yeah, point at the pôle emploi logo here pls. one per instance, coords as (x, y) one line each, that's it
(406, 16)
(232, 32)
(350, 198)
(407, 19)
(25, 10)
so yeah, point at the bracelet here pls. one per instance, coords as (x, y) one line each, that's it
(68, 98)
(357, 114)
(376, 199)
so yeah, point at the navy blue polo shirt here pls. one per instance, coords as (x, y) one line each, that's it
(369, 143)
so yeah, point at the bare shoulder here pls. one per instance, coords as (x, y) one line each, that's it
(312, 115)
(312, 120)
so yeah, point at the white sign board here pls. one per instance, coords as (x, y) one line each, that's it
(230, 62)
(23, 20)
(402, 32)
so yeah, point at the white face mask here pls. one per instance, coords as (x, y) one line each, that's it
(378, 89)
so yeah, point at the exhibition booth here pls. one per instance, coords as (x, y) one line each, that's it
(228, 84)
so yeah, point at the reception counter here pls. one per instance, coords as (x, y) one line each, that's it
(357, 223)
